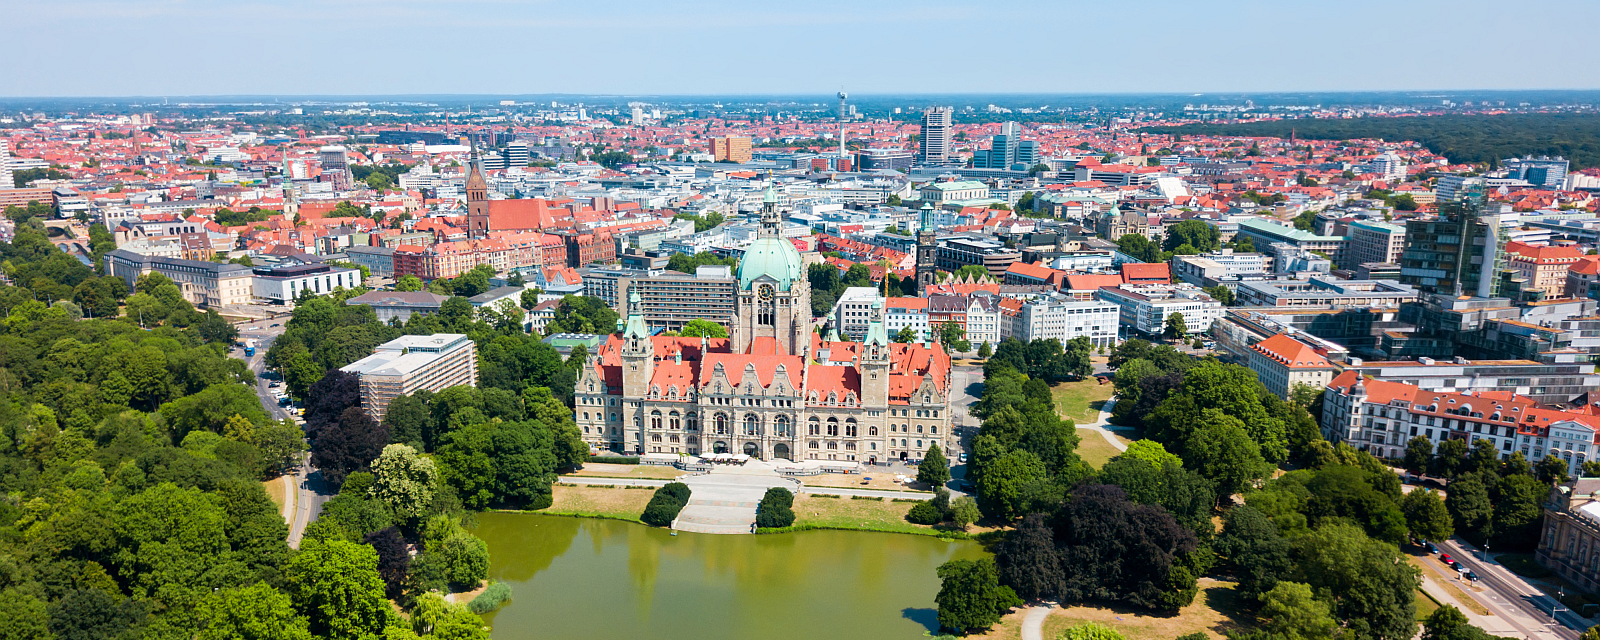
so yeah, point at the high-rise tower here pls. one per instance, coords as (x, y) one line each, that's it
(935, 143)
(842, 97)
(926, 246)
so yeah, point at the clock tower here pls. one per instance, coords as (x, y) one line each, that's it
(774, 296)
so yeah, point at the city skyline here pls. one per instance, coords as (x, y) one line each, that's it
(354, 48)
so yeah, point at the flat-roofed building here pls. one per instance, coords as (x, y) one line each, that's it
(400, 304)
(731, 148)
(409, 364)
(955, 253)
(1145, 308)
(1064, 319)
(203, 283)
(1324, 292)
(281, 285)
(1372, 241)
(378, 260)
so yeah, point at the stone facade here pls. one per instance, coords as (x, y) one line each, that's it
(775, 390)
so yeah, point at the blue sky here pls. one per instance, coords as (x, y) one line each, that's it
(367, 47)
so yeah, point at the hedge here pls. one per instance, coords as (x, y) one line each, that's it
(613, 459)
(665, 504)
(776, 508)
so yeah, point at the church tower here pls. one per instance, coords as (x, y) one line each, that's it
(477, 199)
(774, 297)
(927, 275)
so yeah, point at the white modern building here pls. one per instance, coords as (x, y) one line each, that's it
(409, 364)
(901, 313)
(854, 310)
(1145, 308)
(983, 320)
(281, 285)
(1065, 319)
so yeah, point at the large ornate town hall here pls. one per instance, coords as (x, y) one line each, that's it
(776, 389)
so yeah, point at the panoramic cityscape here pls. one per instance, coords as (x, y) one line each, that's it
(343, 340)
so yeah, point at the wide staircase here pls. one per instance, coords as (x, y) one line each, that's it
(716, 516)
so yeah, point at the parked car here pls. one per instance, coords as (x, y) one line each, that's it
(962, 458)
(1445, 558)
(1432, 548)
(1468, 574)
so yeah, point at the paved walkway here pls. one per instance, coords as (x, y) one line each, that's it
(1103, 426)
(1033, 622)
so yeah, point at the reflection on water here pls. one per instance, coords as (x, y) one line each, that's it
(632, 581)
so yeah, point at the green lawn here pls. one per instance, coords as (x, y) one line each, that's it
(1094, 449)
(1425, 605)
(1080, 401)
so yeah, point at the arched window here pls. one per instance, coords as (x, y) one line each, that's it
(752, 424)
(655, 419)
(933, 428)
(833, 446)
(811, 445)
(833, 427)
(613, 417)
(872, 431)
(673, 421)
(586, 416)
(850, 427)
(694, 425)
(813, 427)
(782, 423)
(722, 424)
(849, 446)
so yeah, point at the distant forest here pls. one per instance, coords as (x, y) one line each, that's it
(1461, 138)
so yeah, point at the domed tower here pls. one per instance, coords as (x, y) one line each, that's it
(774, 296)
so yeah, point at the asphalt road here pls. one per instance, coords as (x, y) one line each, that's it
(1509, 597)
(310, 493)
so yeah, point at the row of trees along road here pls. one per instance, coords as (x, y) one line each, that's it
(132, 455)
(1309, 530)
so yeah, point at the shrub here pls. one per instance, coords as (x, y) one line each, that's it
(776, 509)
(925, 513)
(492, 598)
(665, 504)
(873, 498)
(613, 459)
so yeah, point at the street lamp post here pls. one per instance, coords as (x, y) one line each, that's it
(1486, 551)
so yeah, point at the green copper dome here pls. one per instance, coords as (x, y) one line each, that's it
(775, 257)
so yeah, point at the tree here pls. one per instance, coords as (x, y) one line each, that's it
(394, 559)
(1450, 456)
(405, 480)
(1222, 294)
(1426, 515)
(1002, 485)
(348, 444)
(256, 612)
(1517, 512)
(1202, 237)
(1369, 585)
(698, 328)
(335, 584)
(934, 470)
(1290, 611)
(1551, 470)
(984, 350)
(964, 511)
(1111, 548)
(970, 596)
(906, 335)
(1258, 553)
(1027, 560)
(23, 616)
(1140, 248)
(408, 283)
(1419, 455)
(1469, 505)
(1448, 623)
(1220, 449)
(1089, 631)
(954, 337)
(776, 508)
(1078, 356)
(1175, 328)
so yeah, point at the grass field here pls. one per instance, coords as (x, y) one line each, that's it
(275, 490)
(1425, 605)
(884, 481)
(1094, 449)
(1450, 586)
(845, 513)
(597, 500)
(603, 470)
(1080, 401)
(1214, 610)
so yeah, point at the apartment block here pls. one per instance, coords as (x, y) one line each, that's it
(731, 148)
(409, 364)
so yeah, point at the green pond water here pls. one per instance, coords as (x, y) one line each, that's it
(577, 579)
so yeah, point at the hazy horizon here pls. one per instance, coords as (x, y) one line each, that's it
(104, 48)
